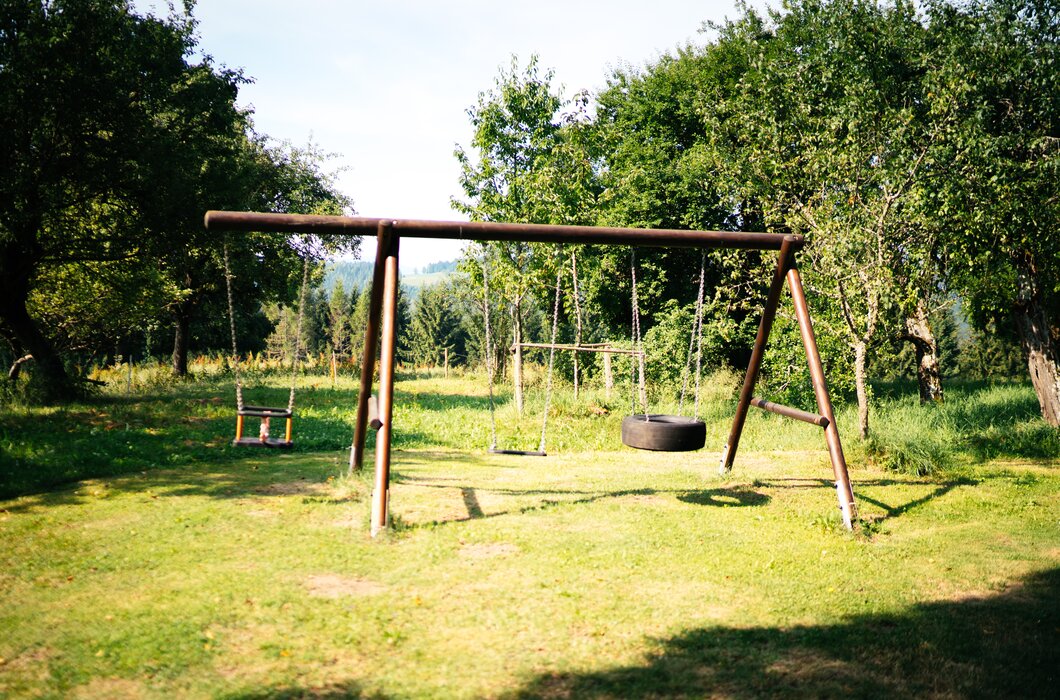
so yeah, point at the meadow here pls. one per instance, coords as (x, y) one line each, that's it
(141, 555)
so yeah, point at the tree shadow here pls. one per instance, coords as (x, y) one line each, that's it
(938, 490)
(348, 690)
(727, 497)
(1006, 645)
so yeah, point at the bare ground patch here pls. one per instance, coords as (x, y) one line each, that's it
(294, 488)
(110, 688)
(337, 586)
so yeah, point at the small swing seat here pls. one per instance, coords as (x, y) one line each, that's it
(258, 442)
(663, 433)
(521, 453)
(265, 413)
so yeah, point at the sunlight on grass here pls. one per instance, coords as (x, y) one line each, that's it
(171, 564)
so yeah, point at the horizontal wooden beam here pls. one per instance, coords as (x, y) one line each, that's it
(788, 411)
(491, 231)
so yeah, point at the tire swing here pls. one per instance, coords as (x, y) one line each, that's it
(657, 431)
(264, 413)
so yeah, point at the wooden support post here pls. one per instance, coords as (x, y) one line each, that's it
(388, 345)
(824, 402)
(753, 367)
(239, 428)
(371, 338)
(446, 362)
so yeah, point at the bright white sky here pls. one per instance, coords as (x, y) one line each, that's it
(386, 85)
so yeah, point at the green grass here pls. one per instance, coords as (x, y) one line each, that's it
(170, 564)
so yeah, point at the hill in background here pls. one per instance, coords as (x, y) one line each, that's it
(357, 274)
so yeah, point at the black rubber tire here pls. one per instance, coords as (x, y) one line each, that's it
(663, 433)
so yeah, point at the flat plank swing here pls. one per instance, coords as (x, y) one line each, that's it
(382, 317)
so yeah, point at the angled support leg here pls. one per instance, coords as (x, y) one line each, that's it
(371, 339)
(784, 261)
(388, 346)
(824, 402)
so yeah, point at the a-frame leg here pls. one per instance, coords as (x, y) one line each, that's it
(388, 346)
(824, 402)
(371, 339)
(784, 260)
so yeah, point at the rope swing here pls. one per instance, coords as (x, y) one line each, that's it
(265, 413)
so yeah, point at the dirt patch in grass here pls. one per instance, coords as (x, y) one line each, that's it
(31, 664)
(336, 586)
(487, 551)
(294, 488)
(115, 688)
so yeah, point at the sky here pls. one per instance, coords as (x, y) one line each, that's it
(385, 86)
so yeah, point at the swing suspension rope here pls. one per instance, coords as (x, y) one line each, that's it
(637, 369)
(490, 368)
(695, 341)
(489, 352)
(551, 357)
(232, 328)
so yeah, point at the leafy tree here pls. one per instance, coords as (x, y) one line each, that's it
(998, 194)
(524, 173)
(89, 94)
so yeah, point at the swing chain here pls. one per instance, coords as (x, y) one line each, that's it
(298, 331)
(488, 350)
(695, 340)
(232, 327)
(638, 344)
(551, 356)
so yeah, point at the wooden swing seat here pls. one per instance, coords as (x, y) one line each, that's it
(265, 413)
(258, 442)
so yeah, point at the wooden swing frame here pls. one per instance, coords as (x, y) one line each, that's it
(382, 318)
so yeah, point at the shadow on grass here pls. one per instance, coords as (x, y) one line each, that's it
(1006, 645)
(727, 497)
(938, 490)
(350, 690)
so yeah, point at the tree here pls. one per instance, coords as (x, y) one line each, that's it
(519, 176)
(998, 65)
(89, 92)
(827, 132)
(434, 326)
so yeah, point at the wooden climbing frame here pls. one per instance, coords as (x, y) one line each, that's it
(382, 317)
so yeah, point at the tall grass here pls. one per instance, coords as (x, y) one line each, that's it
(143, 418)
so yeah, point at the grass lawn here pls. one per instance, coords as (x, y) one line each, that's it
(177, 565)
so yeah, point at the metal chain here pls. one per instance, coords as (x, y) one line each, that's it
(488, 352)
(577, 316)
(697, 333)
(232, 327)
(551, 357)
(298, 332)
(638, 344)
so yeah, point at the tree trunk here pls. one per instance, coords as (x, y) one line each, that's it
(918, 332)
(862, 390)
(181, 322)
(1033, 324)
(55, 382)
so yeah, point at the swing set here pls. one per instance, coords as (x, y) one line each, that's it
(382, 319)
